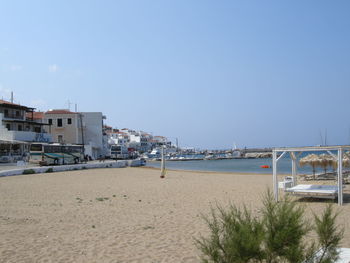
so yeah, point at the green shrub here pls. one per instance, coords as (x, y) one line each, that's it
(49, 170)
(101, 199)
(278, 235)
(28, 171)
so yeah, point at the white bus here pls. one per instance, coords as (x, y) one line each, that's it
(119, 152)
(48, 154)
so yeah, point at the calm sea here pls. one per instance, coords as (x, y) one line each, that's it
(284, 165)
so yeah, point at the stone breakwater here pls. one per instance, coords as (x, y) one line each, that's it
(62, 168)
(258, 155)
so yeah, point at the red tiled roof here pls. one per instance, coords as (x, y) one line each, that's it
(14, 104)
(60, 112)
(116, 132)
(7, 102)
(36, 115)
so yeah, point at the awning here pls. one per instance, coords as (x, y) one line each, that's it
(12, 142)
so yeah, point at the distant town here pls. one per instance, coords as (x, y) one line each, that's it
(21, 126)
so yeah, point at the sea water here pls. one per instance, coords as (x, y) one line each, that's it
(284, 165)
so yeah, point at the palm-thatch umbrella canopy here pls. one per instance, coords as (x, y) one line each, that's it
(326, 160)
(313, 160)
(346, 161)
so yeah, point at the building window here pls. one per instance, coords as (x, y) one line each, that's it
(50, 121)
(27, 128)
(37, 129)
(6, 113)
(17, 113)
(60, 138)
(69, 121)
(8, 126)
(20, 127)
(59, 122)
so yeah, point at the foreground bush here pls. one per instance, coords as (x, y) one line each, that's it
(28, 171)
(278, 235)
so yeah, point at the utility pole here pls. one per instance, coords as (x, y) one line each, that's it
(82, 132)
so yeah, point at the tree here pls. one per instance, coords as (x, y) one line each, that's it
(278, 235)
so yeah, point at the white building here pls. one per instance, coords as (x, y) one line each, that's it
(94, 141)
(141, 141)
(18, 128)
(118, 138)
(135, 140)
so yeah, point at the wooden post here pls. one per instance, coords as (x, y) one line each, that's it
(340, 176)
(294, 167)
(274, 174)
(162, 164)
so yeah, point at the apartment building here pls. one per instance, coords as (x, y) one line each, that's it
(118, 138)
(19, 128)
(78, 128)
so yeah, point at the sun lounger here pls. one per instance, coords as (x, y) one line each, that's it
(344, 256)
(312, 190)
(286, 183)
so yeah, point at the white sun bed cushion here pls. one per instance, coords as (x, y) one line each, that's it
(314, 189)
(344, 256)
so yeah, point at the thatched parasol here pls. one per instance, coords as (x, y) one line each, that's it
(346, 161)
(325, 160)
(313, 160)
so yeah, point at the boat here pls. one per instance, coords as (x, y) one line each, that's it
(155, 151)
(210, 156)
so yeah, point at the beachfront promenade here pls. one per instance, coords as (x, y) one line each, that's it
(121, 215)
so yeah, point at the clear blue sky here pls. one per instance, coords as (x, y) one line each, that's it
(258, 73)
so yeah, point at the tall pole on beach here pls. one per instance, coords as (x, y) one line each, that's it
(162, 164)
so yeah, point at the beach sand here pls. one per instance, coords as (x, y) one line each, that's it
(121, 215)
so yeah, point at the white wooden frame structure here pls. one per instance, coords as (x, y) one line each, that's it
(293, 150)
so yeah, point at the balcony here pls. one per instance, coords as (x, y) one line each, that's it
(25, 136)
(13, 117)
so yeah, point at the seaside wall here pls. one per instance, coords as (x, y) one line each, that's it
(62, 168)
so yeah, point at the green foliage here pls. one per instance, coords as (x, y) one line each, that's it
(28, 171)
(284, 230)
(278, 235)
(49, 170)
(329, 235)
(101, 199)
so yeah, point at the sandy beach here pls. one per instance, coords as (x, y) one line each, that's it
(121, 215)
